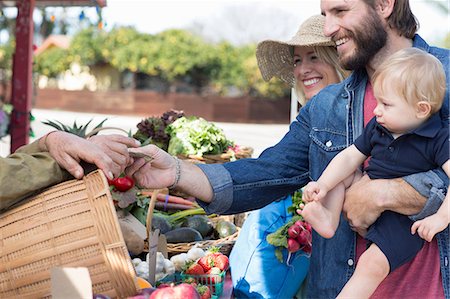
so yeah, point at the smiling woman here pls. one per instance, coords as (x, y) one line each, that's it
(308, 62)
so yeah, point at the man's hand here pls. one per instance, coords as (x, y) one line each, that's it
(159, 173)
(110, 154)
(366, 199)
(161, 170)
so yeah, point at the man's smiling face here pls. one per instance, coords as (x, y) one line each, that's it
(357, 30)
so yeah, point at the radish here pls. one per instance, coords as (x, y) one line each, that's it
(293, 245)
(304, 237)
(293, 231)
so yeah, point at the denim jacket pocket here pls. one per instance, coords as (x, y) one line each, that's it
(325, 145)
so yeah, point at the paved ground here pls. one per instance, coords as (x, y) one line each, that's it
(255, 135)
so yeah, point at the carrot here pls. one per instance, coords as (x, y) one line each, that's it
(171, 206)
(170, 199)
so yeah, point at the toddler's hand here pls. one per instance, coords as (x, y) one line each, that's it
(311, 191)
(429, 226)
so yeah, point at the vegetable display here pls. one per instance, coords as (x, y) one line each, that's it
(152, 130)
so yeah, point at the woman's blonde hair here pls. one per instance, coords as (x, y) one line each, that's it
(329, 55)
(417, 75)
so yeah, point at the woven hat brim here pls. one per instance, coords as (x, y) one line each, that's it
(275, 59)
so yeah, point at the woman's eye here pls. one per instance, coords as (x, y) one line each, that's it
(297, 62)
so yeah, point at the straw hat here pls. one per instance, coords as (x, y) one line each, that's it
(275, 57)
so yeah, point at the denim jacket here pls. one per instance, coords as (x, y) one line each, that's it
(330, 122)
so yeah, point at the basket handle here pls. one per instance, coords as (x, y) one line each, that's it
(151, 208)
(95, 131)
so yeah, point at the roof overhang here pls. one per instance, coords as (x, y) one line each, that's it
(46, 3)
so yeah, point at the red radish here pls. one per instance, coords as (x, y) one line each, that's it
(307, 248)
(308, 226)
(293, 245)
(304, 237)
(293, 231)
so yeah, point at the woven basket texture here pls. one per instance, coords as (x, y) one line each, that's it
(243, 152)
(72, 224)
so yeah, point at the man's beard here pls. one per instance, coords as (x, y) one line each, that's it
(369, 38)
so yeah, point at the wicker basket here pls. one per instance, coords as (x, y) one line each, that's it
(72, 224)
(243, 152)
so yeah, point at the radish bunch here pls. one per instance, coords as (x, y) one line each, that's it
(294, 235)
(299, 237)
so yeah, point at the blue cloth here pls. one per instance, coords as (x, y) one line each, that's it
(327, 124)
(420, 150)
(255, 271)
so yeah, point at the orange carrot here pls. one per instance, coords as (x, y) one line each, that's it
(170, 198)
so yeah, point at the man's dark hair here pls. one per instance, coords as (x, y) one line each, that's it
(402, 19)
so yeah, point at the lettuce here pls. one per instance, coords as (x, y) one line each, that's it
(196, 136)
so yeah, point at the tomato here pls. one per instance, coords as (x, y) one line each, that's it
(123, 184)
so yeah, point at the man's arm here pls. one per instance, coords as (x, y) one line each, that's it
(164, 170)
(366, 199)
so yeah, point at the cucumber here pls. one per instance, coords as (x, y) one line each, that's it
(159, 221)
(200, 223)
(225, 229)
(183, 235)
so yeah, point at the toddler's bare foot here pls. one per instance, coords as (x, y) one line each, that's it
(321, 219)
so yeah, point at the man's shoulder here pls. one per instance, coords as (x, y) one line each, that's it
(440, 53)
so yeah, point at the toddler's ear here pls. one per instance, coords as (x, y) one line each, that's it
(423, 109)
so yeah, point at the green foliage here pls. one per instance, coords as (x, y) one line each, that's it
(52, 62)
(79, 130)
(6, 52)
(87, 46)
(173, 55)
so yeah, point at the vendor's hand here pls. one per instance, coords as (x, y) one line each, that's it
(68, 150)
(160, 172)
(361, 205)
(116, 147)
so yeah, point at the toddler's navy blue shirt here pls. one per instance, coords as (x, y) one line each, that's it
(422, 149)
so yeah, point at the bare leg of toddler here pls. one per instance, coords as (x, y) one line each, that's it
(324, 215)
(371, 270)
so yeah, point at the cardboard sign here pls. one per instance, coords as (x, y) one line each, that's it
(71, 283)
(152, 250)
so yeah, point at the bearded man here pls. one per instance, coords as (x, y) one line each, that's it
(366, 32)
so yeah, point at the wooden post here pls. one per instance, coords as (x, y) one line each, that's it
(22, 75)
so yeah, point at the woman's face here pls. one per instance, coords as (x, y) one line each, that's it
(311, 73)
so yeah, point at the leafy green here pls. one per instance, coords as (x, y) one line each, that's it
(296, 202)
(153, 129)
(196, 136)
(79, 130)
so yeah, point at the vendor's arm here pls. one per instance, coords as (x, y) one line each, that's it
(22, 173)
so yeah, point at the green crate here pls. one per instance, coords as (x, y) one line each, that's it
(215, 282)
